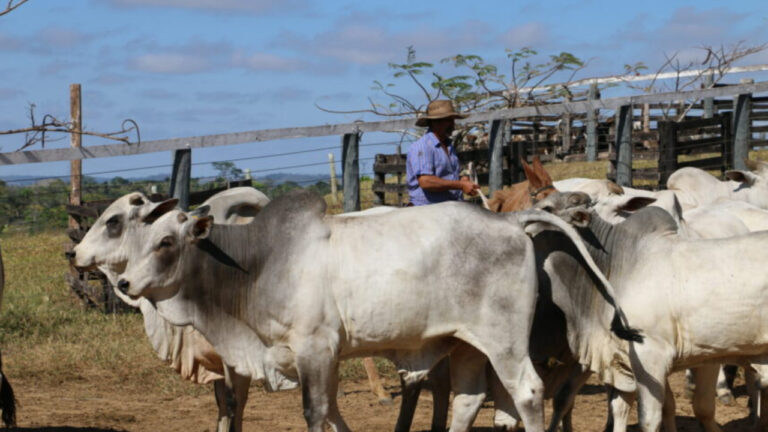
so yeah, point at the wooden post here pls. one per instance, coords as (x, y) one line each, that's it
(496, 155)
(399, 177)
(709, 103)
(667, 150)
(182, 171)
(334, 189)
(591, 149)
(624, 146)
(646, 125)
(742, 108)
(75, 141)
(350, 166)
(565, 131)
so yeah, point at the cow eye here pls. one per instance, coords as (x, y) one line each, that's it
(113, 221)
(166, 242)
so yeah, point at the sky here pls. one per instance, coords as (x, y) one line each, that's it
(197, 67)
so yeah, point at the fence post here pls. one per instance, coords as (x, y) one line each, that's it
(667, 150)
(350, 165)
(591, 149)
(709, 103)
(624, 146)
(75, 141)
(334, 189)
(565, 131)
(742, 108)
(182, 170)
(496, 155)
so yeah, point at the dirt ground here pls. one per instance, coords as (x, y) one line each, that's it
(86, 405)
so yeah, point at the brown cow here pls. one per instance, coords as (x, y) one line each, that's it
(525, 194)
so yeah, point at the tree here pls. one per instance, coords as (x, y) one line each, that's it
(227, 170)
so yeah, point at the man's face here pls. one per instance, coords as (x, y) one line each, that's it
(443, 128)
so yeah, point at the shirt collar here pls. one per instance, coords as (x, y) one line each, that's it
(436, 142)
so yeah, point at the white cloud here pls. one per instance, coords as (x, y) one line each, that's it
(266, 62)
(170, 63)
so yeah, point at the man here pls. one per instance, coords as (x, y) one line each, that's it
(432, 166)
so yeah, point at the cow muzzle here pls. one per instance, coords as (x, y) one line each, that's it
(123, 285)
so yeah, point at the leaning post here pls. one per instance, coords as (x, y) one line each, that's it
(496, 155)
(75, 141)
(182, 171)
(624, 146)
(742, 108)
(593, 95)
(350, 165)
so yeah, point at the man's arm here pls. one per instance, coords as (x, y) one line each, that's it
(436, 184)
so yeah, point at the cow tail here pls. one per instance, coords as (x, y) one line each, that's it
(619, 324)
(7, 401)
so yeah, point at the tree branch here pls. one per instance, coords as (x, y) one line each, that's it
(11, 6)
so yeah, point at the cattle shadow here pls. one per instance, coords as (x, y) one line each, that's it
(62, 429)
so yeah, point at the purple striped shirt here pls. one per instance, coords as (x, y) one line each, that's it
(426, 157)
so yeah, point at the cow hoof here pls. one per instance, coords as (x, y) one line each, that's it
(385, 401)
(726, 399)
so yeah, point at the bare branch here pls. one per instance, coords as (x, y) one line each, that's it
(11, 6)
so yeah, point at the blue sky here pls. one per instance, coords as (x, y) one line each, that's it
(196, 67)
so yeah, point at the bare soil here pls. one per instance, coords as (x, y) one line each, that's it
(89, 404)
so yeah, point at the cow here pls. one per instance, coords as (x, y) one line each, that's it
(7, 398)
(319, 289)
(696, 187)
(675, 287)
(523, 195)
(184, 348)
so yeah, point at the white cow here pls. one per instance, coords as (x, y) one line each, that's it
(184, 348)
(682, 291)
(321, 289)
(696, 187)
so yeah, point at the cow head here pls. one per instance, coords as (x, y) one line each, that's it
(754, 181)
(155, 270)
(539, 181)
(569, 206)
(108, 242)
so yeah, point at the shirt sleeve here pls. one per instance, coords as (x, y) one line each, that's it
(419, 162)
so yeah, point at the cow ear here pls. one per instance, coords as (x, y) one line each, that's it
(577, 216)
(541, 173)
(635, 203)
(159, 209)
(740, 176)
(199, 228)
(201, 211)
(530, 174)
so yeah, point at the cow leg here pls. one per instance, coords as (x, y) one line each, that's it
(619, 406)
(410, 392)
(651, 362)
(521, 381)
(440, 378)
(375, 381)
(668, 410)
(469, 386)
(240, 384)
(505, 416)
(225, 400)
(319, 378)
(707, 379)
(724, 394)
(562, 405)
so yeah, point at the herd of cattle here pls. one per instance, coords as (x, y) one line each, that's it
(525, 302)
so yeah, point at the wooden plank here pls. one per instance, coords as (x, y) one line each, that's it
(180, 177)
(389, 187)
(698, 123)
(740, 131)
(387, 168)
(114, 150)
(623, 162)
(699, 143)
(713, 163)
(350, 165)
(495, 154)
(758, 116)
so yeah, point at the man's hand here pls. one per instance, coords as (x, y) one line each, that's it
(469, 187)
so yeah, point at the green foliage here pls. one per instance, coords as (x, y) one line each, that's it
(482, 88)
(227, 171)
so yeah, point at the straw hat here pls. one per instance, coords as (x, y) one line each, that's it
(438, 109)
